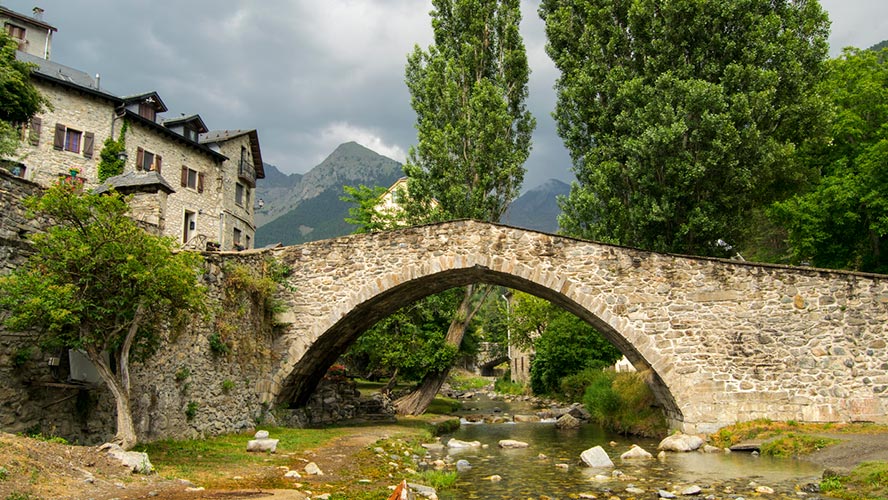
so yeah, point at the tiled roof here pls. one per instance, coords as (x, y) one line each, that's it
(130, 181)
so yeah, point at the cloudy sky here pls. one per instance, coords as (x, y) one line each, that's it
(311, 75)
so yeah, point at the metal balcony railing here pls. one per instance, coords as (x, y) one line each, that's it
(247, 173)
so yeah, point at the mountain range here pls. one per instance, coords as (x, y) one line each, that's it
(300, 208)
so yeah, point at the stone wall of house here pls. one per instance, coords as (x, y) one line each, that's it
(74, 110)
(175, 154)
(237, 216)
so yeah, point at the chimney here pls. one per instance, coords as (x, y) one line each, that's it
(38, 13)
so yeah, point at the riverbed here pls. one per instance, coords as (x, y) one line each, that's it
(551, 466)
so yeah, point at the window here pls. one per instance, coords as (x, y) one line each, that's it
(237, 239)
(34, 132)
(190, 133)
(239, 194)
(148, 161)
(247, 242)
(16, 32)
(192, 179)
(146, 110)
(69, 139)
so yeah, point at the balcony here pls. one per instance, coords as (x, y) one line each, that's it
(246, 173)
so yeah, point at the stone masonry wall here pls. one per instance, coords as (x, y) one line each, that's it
(726, 341)
(175, 155)
(74, 110)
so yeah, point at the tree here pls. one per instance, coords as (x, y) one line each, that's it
(473, 129)
(19, 99)
(842, 221)
(682, 118)
(99, 283)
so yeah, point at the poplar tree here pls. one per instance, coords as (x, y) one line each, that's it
(473, 130)
(683, 118)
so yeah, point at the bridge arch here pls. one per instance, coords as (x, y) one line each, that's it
(725, 341)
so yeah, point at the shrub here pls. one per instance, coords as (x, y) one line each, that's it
(623, 402)
(218, 344)
(191, 410)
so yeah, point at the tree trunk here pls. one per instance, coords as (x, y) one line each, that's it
(126, 432)
(417, 401)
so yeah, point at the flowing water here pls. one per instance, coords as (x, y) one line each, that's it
(550, 467)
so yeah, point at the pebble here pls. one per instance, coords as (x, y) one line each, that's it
(494, 478)
(562, 466)
(665, 494)
(293, 474)
(764, 490)
(312, 469)
(691, 490)
(463, 465)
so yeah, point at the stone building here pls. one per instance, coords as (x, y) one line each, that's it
(190, 184)
(33, 35)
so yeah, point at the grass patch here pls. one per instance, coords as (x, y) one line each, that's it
(868, 480)
(211, 461)
(443, 406)
(765, 429)
(794, 445)
(508, 387)
(464, 381)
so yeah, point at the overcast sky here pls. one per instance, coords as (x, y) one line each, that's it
(311, 75)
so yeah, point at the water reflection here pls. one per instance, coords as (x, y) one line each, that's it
(529, 473)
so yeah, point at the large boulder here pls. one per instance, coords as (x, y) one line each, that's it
(681, 443)
(135, 461)
(456, 444)
(567, 421)
(596, 457)
(636, 452)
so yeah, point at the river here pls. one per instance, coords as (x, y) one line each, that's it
(550, 466)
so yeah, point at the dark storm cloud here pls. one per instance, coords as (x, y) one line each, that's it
(308, 75)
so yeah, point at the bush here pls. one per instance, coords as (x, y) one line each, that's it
(624, 403)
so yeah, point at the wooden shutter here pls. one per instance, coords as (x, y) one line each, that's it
(184, 176)
(34, 134)
(200, 182)
(157, 161)
(140, 157)
(88, 139)
(58, 141)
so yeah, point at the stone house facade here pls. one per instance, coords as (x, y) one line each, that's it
(33, 35)
(193, 186)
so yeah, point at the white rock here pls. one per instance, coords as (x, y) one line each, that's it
(269, 445)
(661, 455)
(494, 478)
(634, 491)
(691, 490)
(665, 494)
(261, 435)
(456, 444)
(636, 452)
(312, 469)
(293, 474)
(764, 490)
(711, 449)
(596, 457)
(511, 443)
(562, 466)
(681, 442)
(463, 465)
(133, 460)
(325, 496)
(198, 488)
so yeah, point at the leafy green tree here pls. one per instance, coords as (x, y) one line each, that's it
(473, 129)
(366, 213)
(683, 117)
(568, 346)
(99, 283)
(409, 343)
(19, 99)
(842, 221)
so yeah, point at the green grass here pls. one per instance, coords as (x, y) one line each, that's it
(765, 429)
(507, 387)
(467, 382)
(204, 461)
(794, 445)
(869, 480)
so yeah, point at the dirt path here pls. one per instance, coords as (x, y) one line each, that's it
(854, 449)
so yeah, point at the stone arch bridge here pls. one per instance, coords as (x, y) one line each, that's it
(725, 341)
